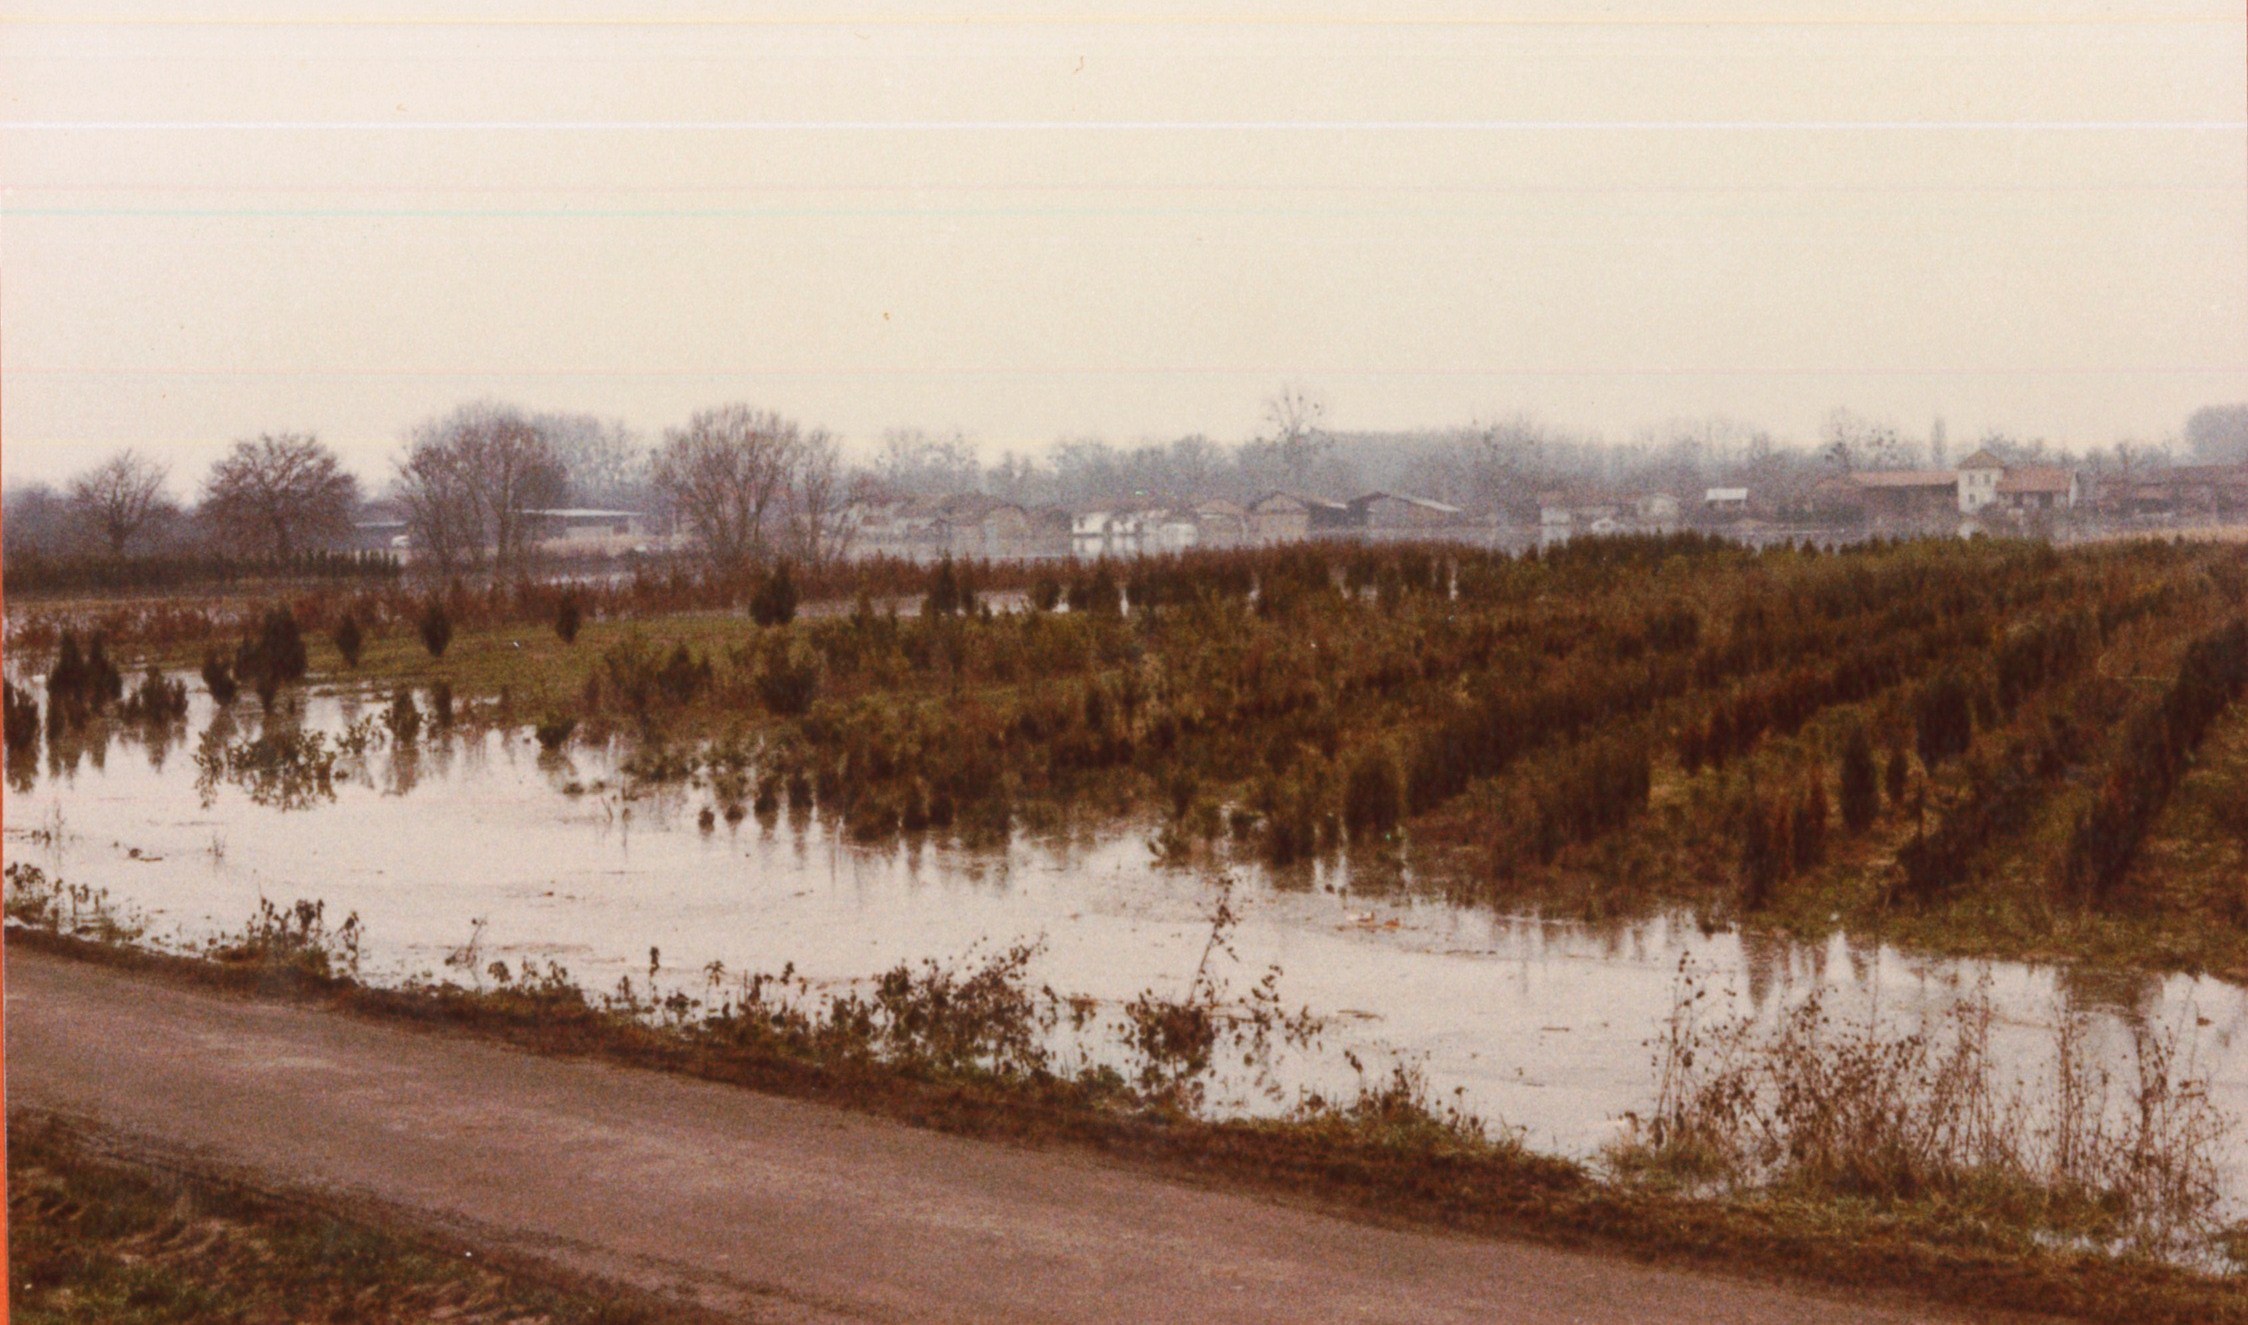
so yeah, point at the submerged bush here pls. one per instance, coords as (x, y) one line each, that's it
(218, 678)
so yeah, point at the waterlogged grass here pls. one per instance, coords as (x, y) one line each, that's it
(1831, 1186)
(100, 1240)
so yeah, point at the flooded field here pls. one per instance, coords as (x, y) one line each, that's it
(480, 837)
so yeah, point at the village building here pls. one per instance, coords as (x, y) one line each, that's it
(1219, 523)
(2038, 488)
(1288, 517)
(1389, 515)
(1658, 512)
(588, 531)
(1724, 502)
(1979, 476)
(1908, 499)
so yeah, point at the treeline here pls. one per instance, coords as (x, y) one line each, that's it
(40, 573)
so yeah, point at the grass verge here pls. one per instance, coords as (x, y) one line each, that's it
(99, 1238)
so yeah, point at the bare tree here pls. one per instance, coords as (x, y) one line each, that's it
(607, 465)
(469, 482)
(278, 494)
(1296, 421)
(121, 499)
(729, 477)
(818, 531)
(1851, 442)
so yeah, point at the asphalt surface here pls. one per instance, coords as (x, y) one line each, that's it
(764, 1207)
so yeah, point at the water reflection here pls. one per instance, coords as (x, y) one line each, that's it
(1540, 1023)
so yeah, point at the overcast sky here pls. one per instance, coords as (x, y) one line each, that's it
(1132, 222)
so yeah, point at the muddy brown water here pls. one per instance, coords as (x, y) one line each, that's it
(1539, 1024)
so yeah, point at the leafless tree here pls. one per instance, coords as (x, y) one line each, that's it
(469, 481)
(1296, 425)
(279, 494)
(606, 463)
(731, 477)
(121, 499)
(817, 494)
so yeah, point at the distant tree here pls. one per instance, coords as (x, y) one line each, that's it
(731, 477)
(1296, 426)
(1850, 442)
(2219, 432)
(120, 500)
(605, 464)
(37, 521)
(469, 481)
(911, 461)
(279, 494)
(815, 503)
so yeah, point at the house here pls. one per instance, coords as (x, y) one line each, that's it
(2033, 488)
(1220, 523)
(1090, 533)
(1908, 498)
(975, 525)
(1288, 517)
(908, 527)
(1657, 511)
(1556, 522)
(1725, 501)
(1169, 531)
(1979, 476)
(2181, 491)
(1389, 515)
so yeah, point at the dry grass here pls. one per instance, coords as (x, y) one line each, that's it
(1864, 1111)
(96, 1239)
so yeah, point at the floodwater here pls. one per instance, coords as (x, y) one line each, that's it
(1537, 1024)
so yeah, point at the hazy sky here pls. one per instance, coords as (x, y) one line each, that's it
(1102, 219)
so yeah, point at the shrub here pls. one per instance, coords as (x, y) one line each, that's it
(774, 603)
(275, 657)
(435, 628)
(945, 595)
(788, 679)
(1861, 782)
(1373, 797)
(349, 639)
(554, 730)
(1944, 719)
(568, 617)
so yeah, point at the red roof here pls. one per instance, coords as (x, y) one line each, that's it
(2036, 479)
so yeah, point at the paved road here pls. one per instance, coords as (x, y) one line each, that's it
(767, 1207)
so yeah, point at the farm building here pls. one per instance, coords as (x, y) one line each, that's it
(1388, 515)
